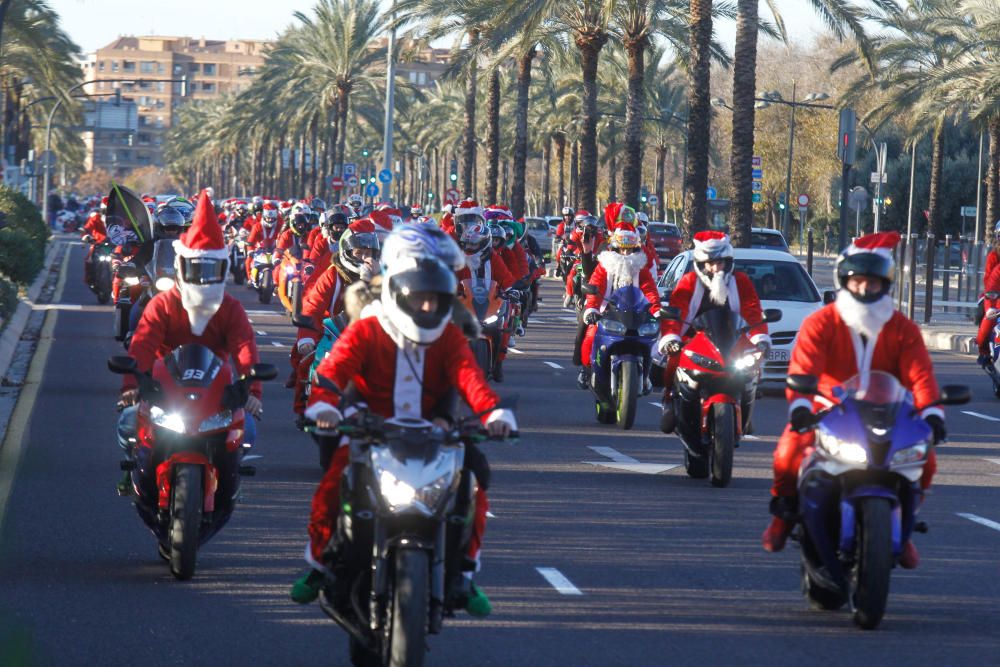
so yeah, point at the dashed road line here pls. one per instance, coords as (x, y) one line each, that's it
(980, 415)
(980, 520)
(613, 454)
(625, 462)
(277, 344)
(552, 364)
(558, 581)
(490, 515)
(565, 318)
(261, 333)
(514, 350)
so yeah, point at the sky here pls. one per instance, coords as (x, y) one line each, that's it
(95, 23)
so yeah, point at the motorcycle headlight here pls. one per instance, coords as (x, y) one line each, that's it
(747, 361)
(218, 420)
(649, 329)
(401, 495)
(614, 327)
(491, 319)
(132, 281)
(910, 455)
(843, 450)
(164, 283)
(702, 360)
(105, 258)
(171, 421)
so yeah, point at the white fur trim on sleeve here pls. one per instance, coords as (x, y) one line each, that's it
(502, 415)
(932, 410)
(320, 406)
(799, 403)
(661, 345)
(760, 338)
(312, 561)
(300, 343)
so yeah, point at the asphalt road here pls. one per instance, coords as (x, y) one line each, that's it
(668, 569)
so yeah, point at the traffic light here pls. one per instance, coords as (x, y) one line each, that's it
(847, 147)
(430, 195)
(644, 196)
(364, 152)
(888, 201)
(454, 171)
(781, 201)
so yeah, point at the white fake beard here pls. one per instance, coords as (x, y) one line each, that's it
(718, 288)
(201, 302)
(622, 270)
(474, 261)
(866, 319)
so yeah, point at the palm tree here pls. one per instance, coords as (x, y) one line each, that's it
(699, 116)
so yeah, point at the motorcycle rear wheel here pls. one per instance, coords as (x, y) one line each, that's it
(266, 289)
(723, 443)
(407, 626)
(185, 519)
(628, 394)
(874, 562)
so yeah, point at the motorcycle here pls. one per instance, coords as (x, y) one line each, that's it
(291, 275)
(160, 277)
(238, 255)
(187, 450)
(994, 341)
(332, 329)
(714, 389)
(859, 491)
(101, 269)
(621, 357)
(129, 285)
(399, 546)
(261, 275)
(483, 300)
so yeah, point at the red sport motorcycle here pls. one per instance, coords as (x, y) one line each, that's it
(714, 389)
(186, 452)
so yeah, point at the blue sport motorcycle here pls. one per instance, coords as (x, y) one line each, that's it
(620, 360)
(859, 490)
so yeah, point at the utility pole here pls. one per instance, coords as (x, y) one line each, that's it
(390, 91)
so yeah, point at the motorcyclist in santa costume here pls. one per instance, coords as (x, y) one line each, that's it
(622, 264)
(196, 310)
(859, 333)
(712, 284)
(403, 358)
(264, 235)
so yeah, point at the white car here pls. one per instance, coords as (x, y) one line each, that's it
(781, 282)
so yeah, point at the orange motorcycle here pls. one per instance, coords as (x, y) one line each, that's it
(483, 299)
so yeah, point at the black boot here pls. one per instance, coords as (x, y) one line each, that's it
(668, 420)
(498, 372)
(583, 379)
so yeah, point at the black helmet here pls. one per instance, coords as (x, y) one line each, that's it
(169, 223)
(870, 264)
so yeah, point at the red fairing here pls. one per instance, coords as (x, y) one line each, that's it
(164, 478)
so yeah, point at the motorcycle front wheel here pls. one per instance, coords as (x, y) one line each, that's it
(723, 443)
(874, 562)
(266, 289)
(407, 625)
(481, 350)
(628, 394)
(102, 283)
(185, 519)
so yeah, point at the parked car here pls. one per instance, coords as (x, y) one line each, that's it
(543, 228)
(667, 240)
(767, 239)
(781, 282)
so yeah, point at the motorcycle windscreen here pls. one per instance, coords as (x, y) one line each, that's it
(163, 259)
(418, 441)
(193, 365)
(721, 325)
(629, 306)
(127, 205)
(879, 396)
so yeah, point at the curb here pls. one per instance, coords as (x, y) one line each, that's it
(19, 320)
(962, 343)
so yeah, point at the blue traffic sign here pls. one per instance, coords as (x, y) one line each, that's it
(758, 173)
(350, 169)
(371, 190)
(757, 198)
(757, 186)
(711, 193)
(385, 176)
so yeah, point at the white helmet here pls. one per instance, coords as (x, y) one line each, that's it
(413, 265)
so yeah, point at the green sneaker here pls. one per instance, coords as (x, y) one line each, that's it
(478, 604)
(306, 588)
(124, 485)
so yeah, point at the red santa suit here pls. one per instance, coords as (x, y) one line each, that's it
(261, 238)
(992, 261)
(95, 227)
(395, 380)
(654, 261)
(832, 351)
(615, 271)
(492, 268)
(991, 283)
(516, 260)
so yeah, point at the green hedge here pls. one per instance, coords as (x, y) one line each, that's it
(22, 246)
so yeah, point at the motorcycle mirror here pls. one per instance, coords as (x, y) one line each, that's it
(829, 296)
(303, 322)
(263, 372)
(670, 313)
(955, 394)
(772, 315)
(122, 364)
(803, 384)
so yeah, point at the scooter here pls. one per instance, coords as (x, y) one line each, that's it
(859, 490)
(186, 454)
(621, 357)
(714, 389)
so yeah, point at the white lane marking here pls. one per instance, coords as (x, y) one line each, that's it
(625, 462)
(980, 520)
(251, 457)
(750, 437)
(491, 515)
(567, 319)
(535, 320)
(263, 313)
(980, 415)
(656, 404)
(613, 454)
(558, 581)
(261, 333)
(514, 350)
(277, 344)
(997, 461)
(552, 364)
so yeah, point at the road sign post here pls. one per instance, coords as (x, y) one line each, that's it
(337, 183)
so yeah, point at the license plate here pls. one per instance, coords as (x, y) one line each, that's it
(777, 355)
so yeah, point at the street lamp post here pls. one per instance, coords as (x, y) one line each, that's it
(390, 92)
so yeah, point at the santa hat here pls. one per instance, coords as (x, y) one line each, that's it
(712, 245)
(468, 207)
(270, 207)
(362, 226)
(611, 214)
(382, 219)
(880, 243)
(204, 237)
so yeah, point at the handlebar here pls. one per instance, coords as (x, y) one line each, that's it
(363, 425)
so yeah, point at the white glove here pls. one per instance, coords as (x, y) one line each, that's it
(254, 406)
(992, 313)
(669, 344)
(304, 346)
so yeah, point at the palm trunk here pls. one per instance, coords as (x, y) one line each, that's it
(504, 191)
(699, 116)
(661, 157)
(301, 191)
(546, 177)
(314, 161)
(469, 134)
(589, 45)
(744, 91)
(613, 166)
(574, 176)
(635, 109)
(560, 139)
(282, 190)
(521, 134)
(993, 175)
(935, 224)
(343, 106)
(492, 134)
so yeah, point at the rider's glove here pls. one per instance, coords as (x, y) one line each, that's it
(254, 406)
(591, 317)
(802, 419)
(513, 295)
(937, 425)
(764, 347)
(128, 397)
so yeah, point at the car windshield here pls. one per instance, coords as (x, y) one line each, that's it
(764, 240)
(779, 281)
(664, 230)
